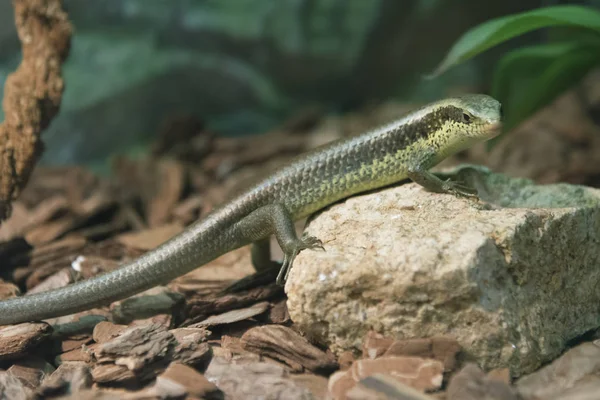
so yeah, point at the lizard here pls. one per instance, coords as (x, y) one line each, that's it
(405, 149)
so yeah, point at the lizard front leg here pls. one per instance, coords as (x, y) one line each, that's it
(419, 174)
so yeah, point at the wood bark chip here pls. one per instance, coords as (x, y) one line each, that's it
(17, 340)
(8, 290)
(471, 383)
(31, 371)
(384, 387)
(179, 380)
(284, 344)
(234, 315)
(12, 388)
(138, 353)
(69, 377)
(33, 93)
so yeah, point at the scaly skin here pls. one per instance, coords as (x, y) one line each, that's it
(406, 148)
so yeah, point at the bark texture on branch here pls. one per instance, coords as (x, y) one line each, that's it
(33, 93)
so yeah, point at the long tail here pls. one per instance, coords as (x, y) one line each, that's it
(174, 258)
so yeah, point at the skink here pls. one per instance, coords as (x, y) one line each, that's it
(404, 149)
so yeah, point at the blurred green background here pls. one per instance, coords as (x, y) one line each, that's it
(242, 66)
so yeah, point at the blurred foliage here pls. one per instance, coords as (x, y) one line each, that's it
(244, 66)
(528, 78)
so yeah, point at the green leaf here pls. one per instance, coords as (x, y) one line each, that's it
(496, 31)
(520, 67)
(548, 70)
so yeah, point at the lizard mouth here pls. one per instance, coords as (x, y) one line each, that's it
(493, 129)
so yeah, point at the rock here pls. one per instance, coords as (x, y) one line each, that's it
(585, 391)
(472, 384)
(564, 373)
(512, 280)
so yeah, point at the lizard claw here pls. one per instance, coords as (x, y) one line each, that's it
(306, 242)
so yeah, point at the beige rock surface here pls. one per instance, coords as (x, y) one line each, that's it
(512, 282)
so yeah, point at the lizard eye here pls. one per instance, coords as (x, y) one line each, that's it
(466, 118)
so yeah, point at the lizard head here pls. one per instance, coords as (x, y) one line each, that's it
(476, 116)
(456, 123)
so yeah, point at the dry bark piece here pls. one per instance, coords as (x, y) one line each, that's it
(500, 374)
(139, 353)
(12, 388)
(50, 258)
(205, 285)
(135, 347)
(200, 308)
(340, 383)
(232, 343)
(230, 317)
(384, 387)
(285, 345)
(278, 314)
(73, 343)
(90, 265)
(8, 290)
(419, 373)
(345, 360)
(82, 320)
(471, 383)
(179, 380)
(152, 302)
(23, 219)
(149, 239)
(116, 374)
(17, 340)
(105, 331)
(375, 344)
(315, 383)
(439, 348)
(80, 354)
(188, 210)
(31, 371)
(56, 250)
(191, 347)
(33, 93)
(50, 231)
(250, 380)
(57, 280)
(171, 182)
(69, 377)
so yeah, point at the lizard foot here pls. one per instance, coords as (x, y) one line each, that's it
(290, 253)
(459, 189)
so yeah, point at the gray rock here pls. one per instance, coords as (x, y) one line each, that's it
(512, 278)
